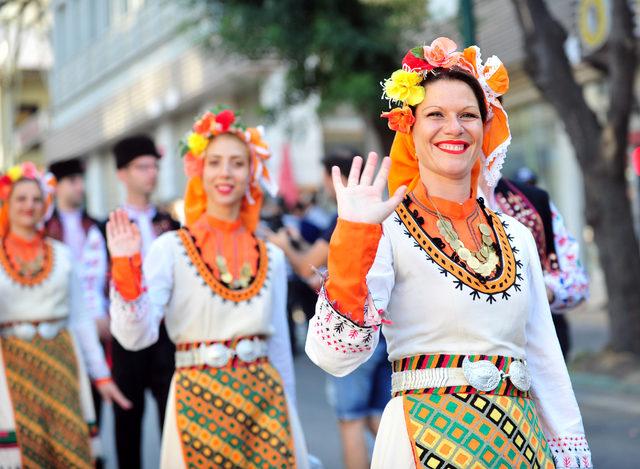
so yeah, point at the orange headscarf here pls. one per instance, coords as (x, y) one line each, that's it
(213, 123)
(405, 87)
(26, 170)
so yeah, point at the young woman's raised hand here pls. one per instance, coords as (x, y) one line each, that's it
(361, 199)
(123, 236)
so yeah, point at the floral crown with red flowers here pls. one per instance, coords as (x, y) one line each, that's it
(26, 170)
(221, 120)
(404, 89)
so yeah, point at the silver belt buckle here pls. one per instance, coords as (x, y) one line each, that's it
(482, 375)
(519, 375)
(49, 330)
(247, 350)
(25, 331)
(216, 355)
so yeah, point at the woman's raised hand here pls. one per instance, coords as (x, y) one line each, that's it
(361, 199)
(123, 236)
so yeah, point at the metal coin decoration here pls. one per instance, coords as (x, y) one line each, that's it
(484, 261)
(243, 279)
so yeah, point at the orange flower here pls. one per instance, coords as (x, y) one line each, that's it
(400, 119)
(204, 126)
(442, 53)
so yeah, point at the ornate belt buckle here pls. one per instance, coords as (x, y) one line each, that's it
(48, 330)
(482, 375)
(519, 375)
(247, 350)
(216, 355)
(25, 331)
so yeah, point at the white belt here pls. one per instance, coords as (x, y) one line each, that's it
(482, 375)
(218, 355)
(28, 330)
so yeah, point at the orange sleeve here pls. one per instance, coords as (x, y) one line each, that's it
(126, 273)
(352, 251)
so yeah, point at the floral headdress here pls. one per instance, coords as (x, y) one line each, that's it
(404, 89)
(26, 170)
(214, 122)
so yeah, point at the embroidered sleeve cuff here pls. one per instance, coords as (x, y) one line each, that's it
(126, 311)
(352, 251)
(571, 452)
(340, 333)
(127, 276)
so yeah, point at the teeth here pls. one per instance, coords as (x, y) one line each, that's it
(450, 147)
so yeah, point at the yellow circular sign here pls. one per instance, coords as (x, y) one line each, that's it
(593, 22)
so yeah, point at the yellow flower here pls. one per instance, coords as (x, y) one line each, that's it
(405, 87)
(197, 143)
(14, 173)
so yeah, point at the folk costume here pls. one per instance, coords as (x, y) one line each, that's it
(49, 343)
(149, 368)
(457, 289)
(222, 295)
(557, 248)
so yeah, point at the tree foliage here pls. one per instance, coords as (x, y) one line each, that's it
(341, 49)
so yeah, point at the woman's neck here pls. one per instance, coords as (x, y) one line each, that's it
(25, 232)
(224, 212)
(454, 190)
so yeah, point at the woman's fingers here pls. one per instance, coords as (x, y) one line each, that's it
(354, 174)
(120, 400)
(397, 197)
(336, 176)
(369, 169)
(381, 178)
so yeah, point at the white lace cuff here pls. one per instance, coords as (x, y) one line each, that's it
(125, 311)
(571, 452)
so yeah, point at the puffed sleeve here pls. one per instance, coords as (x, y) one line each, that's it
(551, 388)
(135, 322)
(345, 329)
(280, 342)
(569, 282)
(82, 324)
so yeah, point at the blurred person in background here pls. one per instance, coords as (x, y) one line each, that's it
(359, 398)
(47, 335)
(566, 281)
(222, 294)
(71, 224)
(150, 368)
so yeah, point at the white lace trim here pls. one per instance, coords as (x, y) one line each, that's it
(571, 452)
(128, 311)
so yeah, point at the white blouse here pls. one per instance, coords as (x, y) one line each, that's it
(192, 312)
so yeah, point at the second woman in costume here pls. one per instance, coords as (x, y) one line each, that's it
(222, 295)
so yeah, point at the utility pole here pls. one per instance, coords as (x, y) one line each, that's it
(467, 22)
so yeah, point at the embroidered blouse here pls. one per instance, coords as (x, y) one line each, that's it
(180, 283)
(52, 293)
(434, 304)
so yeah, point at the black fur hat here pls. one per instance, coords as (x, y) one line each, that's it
(65, 168)
(129, 148)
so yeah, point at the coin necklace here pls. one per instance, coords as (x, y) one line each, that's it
(244, 276)
(484, 261)
(24, 268)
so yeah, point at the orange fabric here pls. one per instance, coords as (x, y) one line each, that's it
(352, 250)
(126, 273)
(4, 219)
(15, 249)
(404, 166)
(24, 249)
(231, 239)
(195, 204)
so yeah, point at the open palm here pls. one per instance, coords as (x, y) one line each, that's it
(361, 199)
(123, 236)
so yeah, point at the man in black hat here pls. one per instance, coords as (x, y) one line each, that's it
(151, 368)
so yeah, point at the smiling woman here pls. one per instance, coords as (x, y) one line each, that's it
(222, 295)
(479, 379)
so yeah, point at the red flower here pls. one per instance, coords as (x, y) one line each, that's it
(411, 62)
(5, 187)
(400, 119)
(225, 119)
(203, 125)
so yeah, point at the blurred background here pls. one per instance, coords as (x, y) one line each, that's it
(77, 75)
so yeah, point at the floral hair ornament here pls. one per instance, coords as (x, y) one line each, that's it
(29, 171)
(404, 89)
(217, 121)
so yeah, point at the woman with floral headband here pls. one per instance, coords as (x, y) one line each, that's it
(479, 379)
(46, 412)
(222, 294)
